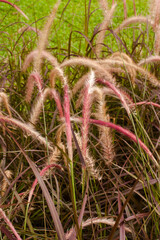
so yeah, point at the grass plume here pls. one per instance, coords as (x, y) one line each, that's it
(133, 20)
(108, 14)
(26, 128)
(33, 79)
(4, 99)
(43, 38)
(105, 135)
(86, 110)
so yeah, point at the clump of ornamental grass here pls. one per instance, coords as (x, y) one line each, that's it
(92, 147)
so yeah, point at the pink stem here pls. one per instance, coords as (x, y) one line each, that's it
(17, 8)
(126, 133)
(117, 93)
(58, 102)
(33, 79)
(41, 173)
(3, 215)
(123, 131)
(145, 103)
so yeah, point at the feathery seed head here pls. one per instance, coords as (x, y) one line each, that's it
(104, 5)
(4, 183)
(90, 82)
(43, 38)
(101, 35)
(4, 99)
(33, 79)
(89, 160)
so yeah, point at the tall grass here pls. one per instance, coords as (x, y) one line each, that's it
(80, 137)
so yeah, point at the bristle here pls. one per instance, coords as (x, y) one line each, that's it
(155, 13)
(86, 110)
(123, 131)
(89, 160)
(125, 9)
(150, 59)
(79, 84)
(34, 79)
(30, 57)
(157, 43)
(103, 220)
(80, 99)
(90, 163)
(128, 134)
(4, 184)
(103, 28)
(33, 54)
(117, 92)
(155, 16)
(153, 80)
(90, 81)
(59, 133)
(133, 20)
(59, 141)
(4, 99)
(104, 5)
(54, 157)
(37, 107)
(105, 133)
(108, 81)
(57, 99)
(28, 129)
(126, 59)
(57, 72)
(43, 38)
(88, 63)
(98, 220)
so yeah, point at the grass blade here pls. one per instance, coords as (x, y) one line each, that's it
(54, 214)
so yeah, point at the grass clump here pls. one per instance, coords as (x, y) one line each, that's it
(80, 128)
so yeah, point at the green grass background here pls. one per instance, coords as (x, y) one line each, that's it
(70, 20)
